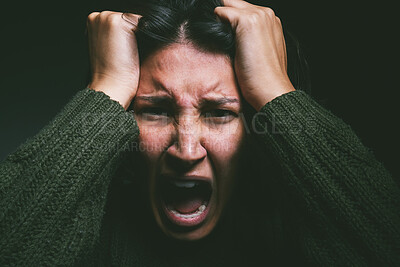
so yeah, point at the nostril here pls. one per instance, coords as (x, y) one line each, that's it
(180, 164)
(186, 149)
(184, 155)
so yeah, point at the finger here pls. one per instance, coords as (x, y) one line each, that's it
(280, 40)
(283, 44)
(131, 18)
(236, 3)
(90, 20)
(92, 17)
(229, 14)
(284, 51)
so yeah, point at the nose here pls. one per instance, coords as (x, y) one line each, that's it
(186, 149)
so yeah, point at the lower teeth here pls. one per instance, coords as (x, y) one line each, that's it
(199, 211)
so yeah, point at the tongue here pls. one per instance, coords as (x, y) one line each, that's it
(187, 205)
(185, 200)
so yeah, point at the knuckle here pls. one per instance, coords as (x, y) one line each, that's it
(253, 19)
(110, 18)
(269, 11)
(114, 19)
(92, 16)
(261, 12)
(104, 15)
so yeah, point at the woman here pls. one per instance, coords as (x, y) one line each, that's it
(200, 184)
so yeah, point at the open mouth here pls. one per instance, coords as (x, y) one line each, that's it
(185, 201)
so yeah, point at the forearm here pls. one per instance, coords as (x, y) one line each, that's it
(55, 185)
(348, 196)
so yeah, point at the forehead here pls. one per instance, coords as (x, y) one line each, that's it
(182, 69)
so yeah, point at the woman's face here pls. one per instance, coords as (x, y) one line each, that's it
(191, 133)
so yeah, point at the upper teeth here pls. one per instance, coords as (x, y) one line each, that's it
(185, 184)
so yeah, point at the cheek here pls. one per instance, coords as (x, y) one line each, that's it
(153, 141)
(224, 147)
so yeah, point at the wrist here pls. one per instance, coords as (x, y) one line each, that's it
(117, 91)
(268, 93)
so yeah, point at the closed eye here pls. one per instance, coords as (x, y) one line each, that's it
(219, 116)
(220, 113)
(153, 113)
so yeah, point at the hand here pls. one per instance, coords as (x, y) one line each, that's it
(114, 55)
(260, 60)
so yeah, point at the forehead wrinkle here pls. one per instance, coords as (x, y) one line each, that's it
(187, 87)
(182, 54)
(159, 87)
(214, 94)
(174, 70)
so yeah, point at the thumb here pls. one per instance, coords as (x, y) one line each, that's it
(131, 18)
(228, 14)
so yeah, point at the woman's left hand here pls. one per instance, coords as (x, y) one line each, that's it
(260, 61)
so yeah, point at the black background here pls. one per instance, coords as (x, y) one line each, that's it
(350, 49)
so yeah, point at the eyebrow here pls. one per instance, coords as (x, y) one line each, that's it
(207, 101)
(156, 99)
(218, 101)
(204, 102)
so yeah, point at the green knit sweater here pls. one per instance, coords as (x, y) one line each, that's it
(56, 207)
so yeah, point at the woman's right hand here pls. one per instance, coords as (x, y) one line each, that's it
(114, 55)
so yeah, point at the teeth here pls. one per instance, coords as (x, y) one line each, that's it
(202, 208)
(185, 184)
(199, 211)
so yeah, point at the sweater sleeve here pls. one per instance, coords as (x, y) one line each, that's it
(349, 203)
(53, 189)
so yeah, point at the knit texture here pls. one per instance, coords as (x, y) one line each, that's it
(54, 187)
(55, 191)
(351, 201)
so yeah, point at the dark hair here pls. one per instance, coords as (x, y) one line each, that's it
(165, 22)
(176, 21)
